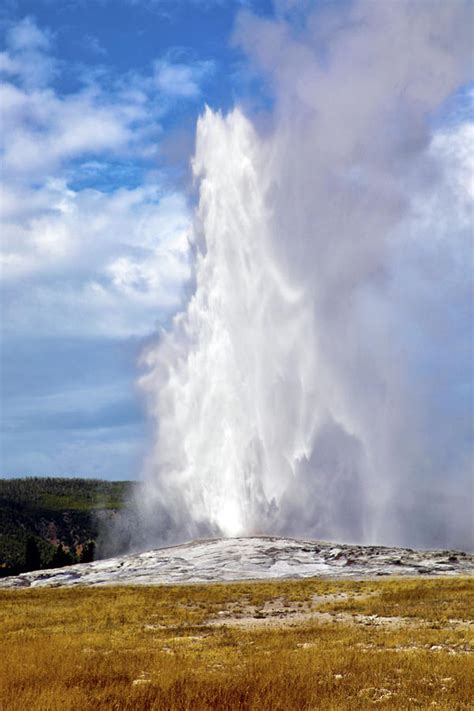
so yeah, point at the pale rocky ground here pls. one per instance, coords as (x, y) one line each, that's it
(254, 558)
(279, 611)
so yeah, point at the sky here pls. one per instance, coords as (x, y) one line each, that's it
(99, 105)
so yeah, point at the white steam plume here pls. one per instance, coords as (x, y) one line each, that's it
(291, 396)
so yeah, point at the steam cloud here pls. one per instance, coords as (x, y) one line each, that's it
(316, 382)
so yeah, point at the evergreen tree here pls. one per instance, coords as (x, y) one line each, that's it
(32, 554)
(61, 558)
(88, 552)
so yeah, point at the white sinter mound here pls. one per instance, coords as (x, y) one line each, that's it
(249, 559)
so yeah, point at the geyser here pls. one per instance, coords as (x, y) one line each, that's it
(294, 394)
(235, 379)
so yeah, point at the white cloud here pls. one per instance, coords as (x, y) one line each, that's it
(118, 258)
(93, 44)
(27, 36)
(76, 258)
(8, 65)
(42, 129)
(27, 54)
(183, 80)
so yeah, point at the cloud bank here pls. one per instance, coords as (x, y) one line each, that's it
(318, 382)
(94, 245)
(89, 222)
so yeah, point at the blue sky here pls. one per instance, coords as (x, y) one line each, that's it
(99, 104)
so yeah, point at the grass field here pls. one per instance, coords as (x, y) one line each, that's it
(308, 644)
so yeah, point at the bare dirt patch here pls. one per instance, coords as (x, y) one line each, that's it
(279, 612)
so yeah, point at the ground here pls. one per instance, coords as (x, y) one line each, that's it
(295, 644)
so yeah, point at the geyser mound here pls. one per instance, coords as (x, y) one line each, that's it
(257, 558)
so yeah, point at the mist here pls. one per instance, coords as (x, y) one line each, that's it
(318, 380)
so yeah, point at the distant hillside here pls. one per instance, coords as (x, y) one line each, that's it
(49, 522)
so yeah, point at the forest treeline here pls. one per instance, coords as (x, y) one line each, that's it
(48, 522)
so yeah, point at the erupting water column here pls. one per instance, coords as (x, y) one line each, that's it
(229, 383)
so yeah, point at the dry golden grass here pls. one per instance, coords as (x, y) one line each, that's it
(309, 644)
